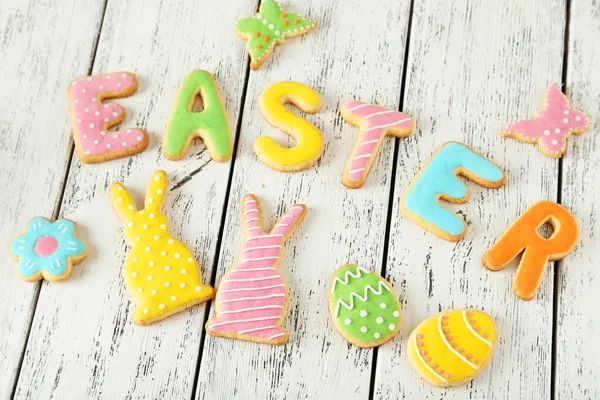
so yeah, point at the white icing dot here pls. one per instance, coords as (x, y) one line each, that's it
(190, 259)
(557, 130)
(130, 224)
(140, 290)
(392, 327)
(79, 120)
(379, 320)
(347, 321)
(151, 215)
(258, 16)
(118, 84)
(161, 306)
(182, 285)
(87, 152)
(377, 335)
(130, 207)
(94, 99)
(271, 26)
(106, 119)
(145, 226)
(108, 76)
(124, 144)
(554, 142)
(150, 200)
(565, 120)
(363, 313)
(119, 188)
(96, 141)
(128, 131)
(83, 90)
(566, 112)
(167, 284)
(183, 271)
(167, 268)
(141, 212)
(148, 249)
(157, 178)
(173, 298)
(116, 136)
(115, 114)
(177, 255)
(134, 259)
(396, 314)
(159, 191)
(163, 253)
(149, 277)
(151, 264)
(154, 292)
(87, 109)
(100, 87)
(364, 329)
(76, 101)
(139, 138)
(134, 274)
(108, 146)
(156, 237)
(97, 113)
(170, 241)
(277, 33)
(120, 199)
(85, 136)
(198, 289)
(383, 305)
(578, 118)
(89, 79)
(92, 125)
(264, 21)
(163, 226)
(124, 75)
(146, 311)
(547, 132)
(137, 238)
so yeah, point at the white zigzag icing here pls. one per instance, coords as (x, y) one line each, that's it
(347, 277)
(363, 299)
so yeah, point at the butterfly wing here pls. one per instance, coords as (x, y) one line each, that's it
(294, 25)
(260, 40)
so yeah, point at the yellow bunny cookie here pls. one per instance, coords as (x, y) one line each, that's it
(161, 274)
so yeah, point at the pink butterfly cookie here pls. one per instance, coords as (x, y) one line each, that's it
(551, 126)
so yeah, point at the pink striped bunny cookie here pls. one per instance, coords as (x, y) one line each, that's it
(252, 297)
(375, 123)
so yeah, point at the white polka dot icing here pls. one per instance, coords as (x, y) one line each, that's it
(357, 294)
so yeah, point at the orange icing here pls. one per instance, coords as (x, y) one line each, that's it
(523, 235)
(266, 38)
(259, 46)
(283, 15)
(296, 21)
(285, 23)
(256, 34)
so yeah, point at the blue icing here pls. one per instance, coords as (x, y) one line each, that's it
(55, 264)
(437, 179)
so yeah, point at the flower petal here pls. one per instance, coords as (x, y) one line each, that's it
(55, 265)
(22, 245)
(63, 227)
(70, 247)
(29, 266)
(36, 224)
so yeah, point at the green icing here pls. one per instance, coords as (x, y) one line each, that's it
(269, 24)
(358, 280)
(212, 120)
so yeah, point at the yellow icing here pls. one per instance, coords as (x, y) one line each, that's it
(160, 273)
(448, 358)
(309, 140)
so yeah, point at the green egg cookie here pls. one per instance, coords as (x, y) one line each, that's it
(364, 308)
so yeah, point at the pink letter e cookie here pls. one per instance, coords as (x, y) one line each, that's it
(92, 120)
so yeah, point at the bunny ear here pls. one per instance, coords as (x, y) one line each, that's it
(121, 201)
(252, 215)
(156, 190)
(290, 221)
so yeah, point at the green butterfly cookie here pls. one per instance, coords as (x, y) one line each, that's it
(270, 26)
(364, 308)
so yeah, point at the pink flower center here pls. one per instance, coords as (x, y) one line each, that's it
(45, 246)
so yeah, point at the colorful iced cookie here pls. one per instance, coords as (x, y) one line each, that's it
(523, 237)
(309, 145)
(161, 274)
(253, 296)
(453, 347)
(550, 127)
(438, 179)
(48, 250)
(91, 119)
(364, 308)
(270, 26)
(375, 123)
(210, 124)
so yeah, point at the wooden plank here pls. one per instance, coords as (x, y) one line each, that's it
(577, 354)
(473, 68)
(38, 57)
(356, 52)
(83, 343)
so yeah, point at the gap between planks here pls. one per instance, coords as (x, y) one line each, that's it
(57, 210)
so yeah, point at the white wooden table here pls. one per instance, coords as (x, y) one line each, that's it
(464, 69)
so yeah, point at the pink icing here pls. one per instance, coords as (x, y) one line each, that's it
(45, 246)
(92, 118)
(251, 299)
(379, 120)
(553, 124)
